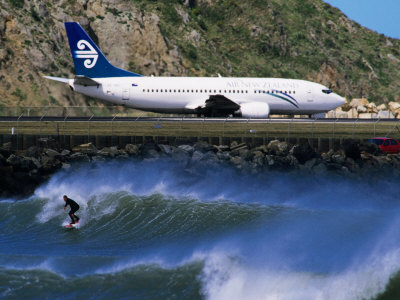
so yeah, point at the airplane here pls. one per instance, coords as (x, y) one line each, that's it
(204, 96)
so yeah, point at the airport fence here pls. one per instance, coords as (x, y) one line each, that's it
(67, 130)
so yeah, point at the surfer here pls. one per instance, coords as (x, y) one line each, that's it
(74, 207)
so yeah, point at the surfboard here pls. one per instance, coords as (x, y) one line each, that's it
(71, 225)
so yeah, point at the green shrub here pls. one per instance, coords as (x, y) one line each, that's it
(34, 14)
(16, 3)
(19, 94)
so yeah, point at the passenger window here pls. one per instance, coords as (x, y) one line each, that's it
(386, 143)
(327, 91)
(394, 142)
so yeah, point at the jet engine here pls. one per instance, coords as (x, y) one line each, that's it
(254, 110)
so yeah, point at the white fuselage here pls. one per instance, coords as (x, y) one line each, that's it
(185, 94)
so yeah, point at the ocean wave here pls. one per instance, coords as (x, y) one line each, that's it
(220, 235)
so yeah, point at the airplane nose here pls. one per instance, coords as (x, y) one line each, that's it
(339, 100)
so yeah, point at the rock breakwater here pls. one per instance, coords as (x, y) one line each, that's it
(22, 172)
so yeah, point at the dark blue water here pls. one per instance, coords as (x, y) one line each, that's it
(152, 230)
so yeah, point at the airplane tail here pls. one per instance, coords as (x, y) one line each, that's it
(89, 61)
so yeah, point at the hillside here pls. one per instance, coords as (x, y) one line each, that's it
(305, 39)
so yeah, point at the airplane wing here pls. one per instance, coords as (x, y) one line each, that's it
(218, 106)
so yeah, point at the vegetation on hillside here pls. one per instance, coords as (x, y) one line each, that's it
(292, 38)
(303, 39)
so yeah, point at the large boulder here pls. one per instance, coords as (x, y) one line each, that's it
(79, 157)
(279, 148)
(223, 156)
(166, 149)
(49, 163)
(20, 163)
(33, 151)
(148, 149)
(197, 156)
(258, 159)
(371, 108)
(303, 152)
(107, 152)
(52, 153)
(131, 149)
(187, 148)
(357, 102)
(204, 147)
(210, 158)
(5, 150)
(88, 148)
(282, 163)
(394, 107)
(352, 149)
(371, 148)
(181, 156)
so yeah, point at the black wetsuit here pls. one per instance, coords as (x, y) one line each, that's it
(74, 207)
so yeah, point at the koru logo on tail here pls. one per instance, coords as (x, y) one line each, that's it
(86, 51)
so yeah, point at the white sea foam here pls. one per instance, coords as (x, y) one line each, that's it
(225, 277)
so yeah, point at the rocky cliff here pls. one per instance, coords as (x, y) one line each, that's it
(306, 39)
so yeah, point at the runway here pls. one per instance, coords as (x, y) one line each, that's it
(187, 119)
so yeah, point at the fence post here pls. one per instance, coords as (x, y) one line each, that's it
(333, 134)
(112, 125)
(18, 130)
(65, 119)
(134, 127)
(354, 126)
(223, 130)
(181, 128)
(88, 136)
(267, 130)
(41, 123)
(375, 126)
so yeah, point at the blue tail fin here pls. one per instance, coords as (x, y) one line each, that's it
(89, 61)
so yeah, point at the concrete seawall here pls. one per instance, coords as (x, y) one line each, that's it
(322, 135)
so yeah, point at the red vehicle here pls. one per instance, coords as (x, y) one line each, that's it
(387, 145)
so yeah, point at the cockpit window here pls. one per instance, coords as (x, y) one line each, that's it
(327, 91)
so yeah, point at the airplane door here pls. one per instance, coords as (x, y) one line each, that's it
(310, 96)
(125, 94)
